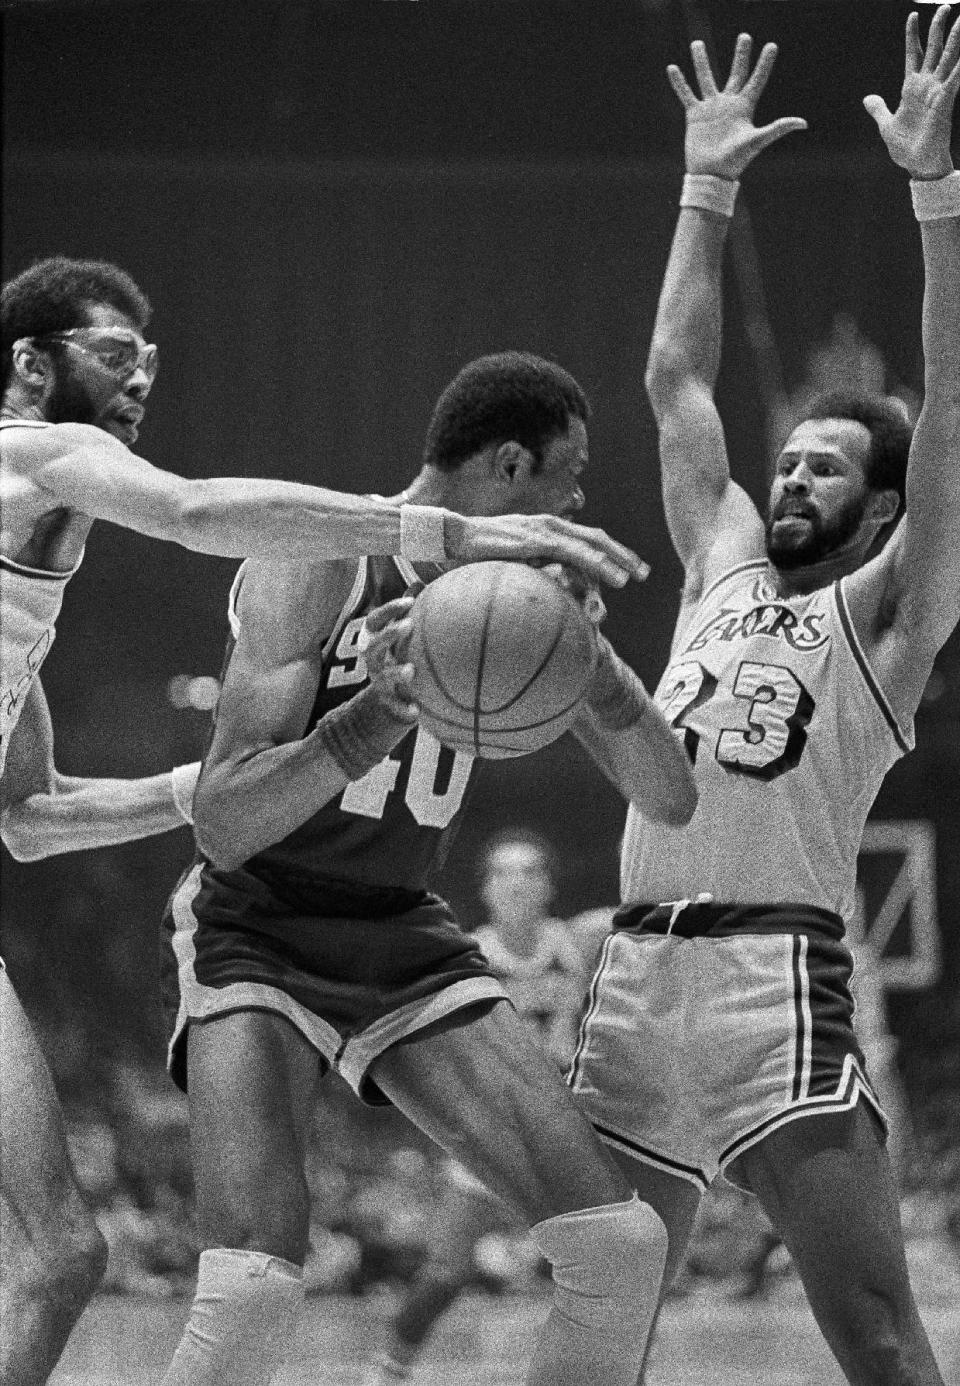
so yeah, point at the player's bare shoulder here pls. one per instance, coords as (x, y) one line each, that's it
(27, 446)
(733, 534)
(39, 531)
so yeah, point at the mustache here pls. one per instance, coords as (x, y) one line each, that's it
(788, 508)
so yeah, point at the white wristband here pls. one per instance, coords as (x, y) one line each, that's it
(421, 533)
(936, 198)
(183, 781)
(710, 193)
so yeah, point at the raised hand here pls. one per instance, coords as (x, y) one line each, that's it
(917, 134)
(721, 136)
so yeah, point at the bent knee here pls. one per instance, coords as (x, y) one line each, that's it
(84, 1262)
(622, 1245)
(66, 1272)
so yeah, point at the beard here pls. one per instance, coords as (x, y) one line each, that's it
(69, 401)
(822, 539)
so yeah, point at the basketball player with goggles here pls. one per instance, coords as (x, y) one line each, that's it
(720, 1034)
(77, 374)
(304, 937)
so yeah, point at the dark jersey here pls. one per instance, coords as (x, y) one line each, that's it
(389, 829)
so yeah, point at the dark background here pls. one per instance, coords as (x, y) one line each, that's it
(333, 205)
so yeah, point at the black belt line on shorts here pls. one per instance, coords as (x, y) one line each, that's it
(703, 916)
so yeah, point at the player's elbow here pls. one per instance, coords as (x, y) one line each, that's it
(19, 834)
(671, 798)
(217, 847)
(667, 371)
(190, 512)
(681, 804)
(219, 835)
(198, 516)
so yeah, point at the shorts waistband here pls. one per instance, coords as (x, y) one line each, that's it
(309, 892)
(704, 917)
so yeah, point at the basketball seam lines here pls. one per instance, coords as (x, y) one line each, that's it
(492, 711)
(481, 661)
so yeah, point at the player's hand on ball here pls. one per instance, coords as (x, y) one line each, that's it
(548, 538)
(721, 137)
(917, 134)
(387, 630)
(582, 591)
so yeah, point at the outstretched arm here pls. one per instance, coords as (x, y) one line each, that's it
(88, 470)
(908, 601)
(43, 813)
(708, 514)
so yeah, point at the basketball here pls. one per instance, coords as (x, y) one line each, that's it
(503, 656)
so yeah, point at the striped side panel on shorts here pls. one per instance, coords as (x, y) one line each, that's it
(803, 1020)
(593, 996)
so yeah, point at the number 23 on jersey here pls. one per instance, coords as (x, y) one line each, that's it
(776, 709)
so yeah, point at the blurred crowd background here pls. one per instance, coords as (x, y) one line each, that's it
(334, 204)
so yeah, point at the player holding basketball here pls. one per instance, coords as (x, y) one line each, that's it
(77, 374)
(304, 937)
(545, 974)
(723, 1016)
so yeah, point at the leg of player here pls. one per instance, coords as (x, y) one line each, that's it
(51, 1255)
(676, 1202)
(464, 1212)
(825, 1183)
(252, 1083)
(477, 1083)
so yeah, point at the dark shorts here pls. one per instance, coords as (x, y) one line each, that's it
(354, 981)
(703, 1035)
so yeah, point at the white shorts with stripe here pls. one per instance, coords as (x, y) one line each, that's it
(697, 1044)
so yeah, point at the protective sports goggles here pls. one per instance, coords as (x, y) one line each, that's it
(119, 352)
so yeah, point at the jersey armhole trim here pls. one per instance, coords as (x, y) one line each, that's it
(233, 618)
(39, 574)
(748, 566)
(356, 592)
(864, 665)
(691, 612)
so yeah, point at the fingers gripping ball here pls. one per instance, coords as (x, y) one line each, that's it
(503, 658)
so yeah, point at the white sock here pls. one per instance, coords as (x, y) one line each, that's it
(245, 1308)
(607, 1267)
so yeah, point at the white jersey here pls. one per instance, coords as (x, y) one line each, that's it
(30, 601)
(546, 986)
(791, 736)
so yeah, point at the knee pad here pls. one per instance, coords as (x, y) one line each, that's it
(604, 1259)
(244, 1311)
(607, 1270)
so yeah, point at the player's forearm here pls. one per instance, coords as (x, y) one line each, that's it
(244, 806)
(688, 327)
(933, 505)
(629, 738)
(941, 308)
(79, 814)
(235, 516)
